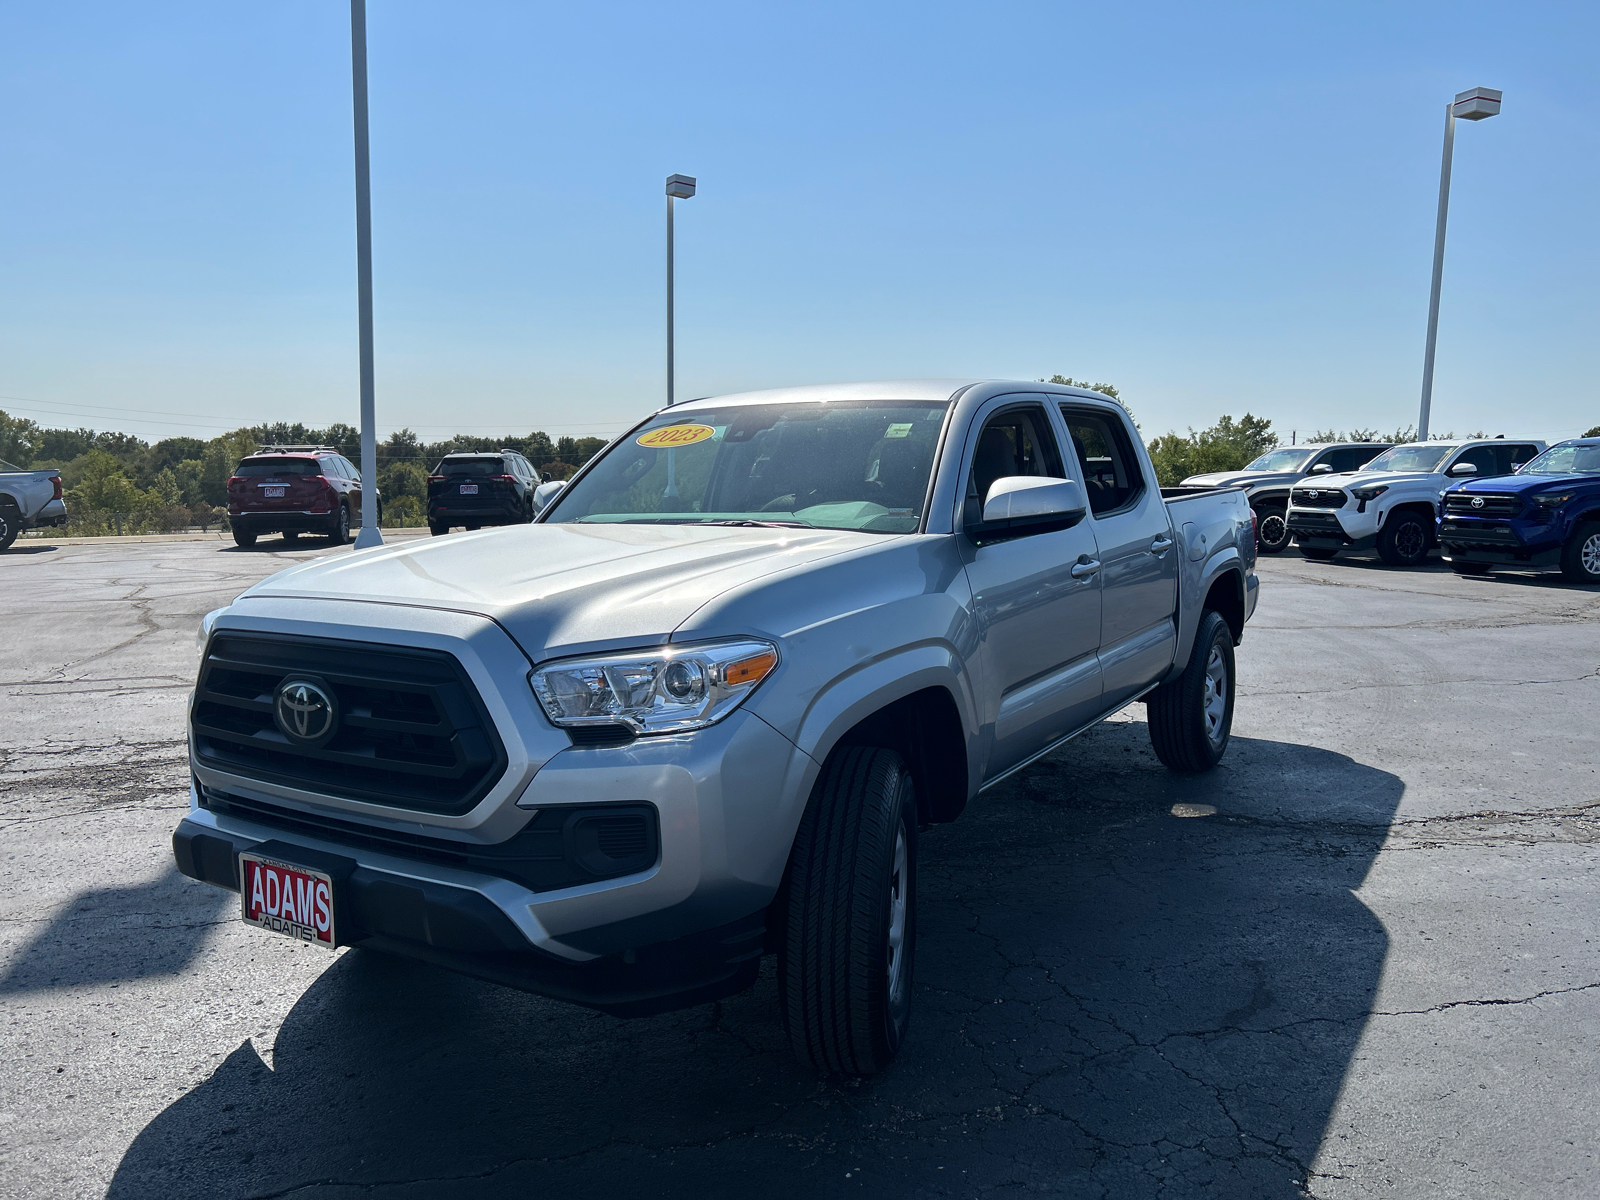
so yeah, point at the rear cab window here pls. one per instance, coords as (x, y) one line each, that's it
(472, 467)
(1111, 474)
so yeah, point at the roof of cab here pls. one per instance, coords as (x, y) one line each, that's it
(883, 389)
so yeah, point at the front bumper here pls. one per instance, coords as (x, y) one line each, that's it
(1491, 540)
(1326, 527)
(461, 929)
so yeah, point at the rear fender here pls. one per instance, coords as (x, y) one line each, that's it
(1225, 567)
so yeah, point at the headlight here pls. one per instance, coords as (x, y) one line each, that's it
(1551, 501)
(1369, 493)
(203, 634)
(665, 690)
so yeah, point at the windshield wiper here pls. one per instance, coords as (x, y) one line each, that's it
(762, 524)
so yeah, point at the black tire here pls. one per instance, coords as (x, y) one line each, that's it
(1188, 727)
(471, 528)
(1580, 557)
(1318, 553)
(438, 530)
(1403, 540)
(1462, 567)
(1272, 531)
(243, 538)
(340, 533)
(10, 525)
(844, 987)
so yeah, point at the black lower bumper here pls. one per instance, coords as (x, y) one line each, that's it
(286, 522)
(1488, 552)
(461, 930)
(498, 514)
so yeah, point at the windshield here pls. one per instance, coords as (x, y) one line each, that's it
(834, 465)
(1280, 460)
(1409, 458)
(1568, 459)
(279, 467)
(470, 466)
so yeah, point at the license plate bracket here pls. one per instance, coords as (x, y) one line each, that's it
(287, 898)
(273, 493)
(469, 489)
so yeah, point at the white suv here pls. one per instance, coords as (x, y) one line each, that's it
(1393, 502)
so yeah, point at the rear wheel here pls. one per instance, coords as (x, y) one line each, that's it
(1318, 553)
(10, 525)
(1191, 718)
(1403, 540)
(1462, 567)
(470, 528)
(340, 533)
(1272, 531)
(1580, 557)
(847, 942)
(244, 538)
(438, 530)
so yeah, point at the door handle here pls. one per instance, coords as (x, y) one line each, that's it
(1085, 567)
(1160, 546)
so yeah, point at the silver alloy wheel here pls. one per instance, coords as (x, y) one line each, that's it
(1216, 694)
(896, 962)
(1589, 555)
(1410, 540)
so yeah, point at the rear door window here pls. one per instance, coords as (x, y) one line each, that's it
(1111, 474)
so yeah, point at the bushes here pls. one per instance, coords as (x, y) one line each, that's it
(1226, 446)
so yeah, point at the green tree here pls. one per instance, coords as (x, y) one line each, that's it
(1226, 446)
(1105, 389)
(1595, 432)
(19, 439)
(105, 486)
(401, 479)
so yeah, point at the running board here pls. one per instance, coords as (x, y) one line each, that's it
(1060, 742)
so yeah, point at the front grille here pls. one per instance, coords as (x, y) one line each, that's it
(559, 848)
(1317, 498)
(1461, 504)
(412, 731)
(1456, 533)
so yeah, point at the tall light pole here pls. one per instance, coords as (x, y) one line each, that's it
(679, 187)
(1474, 105)
(369, 535)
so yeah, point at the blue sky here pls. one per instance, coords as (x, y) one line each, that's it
(1218, 208)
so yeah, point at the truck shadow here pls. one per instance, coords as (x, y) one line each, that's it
(1112, 999)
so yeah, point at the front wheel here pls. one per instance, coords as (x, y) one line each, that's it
(848, 934)
(1318, 553)
(1191, 718)
(1272, 531)
(243, 539)
(10, 525)
(1580, 557)
(1403, 540)
(340, 533)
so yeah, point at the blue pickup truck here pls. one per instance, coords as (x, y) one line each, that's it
(1548, 514)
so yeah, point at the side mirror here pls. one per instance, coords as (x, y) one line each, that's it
(1322, 469)
(1015, 499)
(546, 492)
(1463, 468)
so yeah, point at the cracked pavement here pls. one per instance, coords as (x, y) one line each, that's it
(1372, 972)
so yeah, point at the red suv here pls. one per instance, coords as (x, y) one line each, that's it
(293, 490)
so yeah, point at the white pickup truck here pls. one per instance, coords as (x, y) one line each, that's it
(1393, 502)
(28, 499)
(698, 711)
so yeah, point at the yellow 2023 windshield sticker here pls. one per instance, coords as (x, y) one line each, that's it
(673, 436)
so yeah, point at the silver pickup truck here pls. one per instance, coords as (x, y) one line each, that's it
(28, 499)
(700, 710)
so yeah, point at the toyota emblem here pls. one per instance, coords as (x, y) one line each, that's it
(305, 710)
(1477, 502)
(1313, 494)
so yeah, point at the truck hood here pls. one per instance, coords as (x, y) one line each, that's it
(1356, 479)
(1247, 478)
(1515, 485)
(560, 589)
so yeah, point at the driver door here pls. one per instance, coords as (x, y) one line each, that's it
(1035, 596)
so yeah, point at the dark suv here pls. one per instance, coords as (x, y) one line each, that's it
(482, 489)
(293, 490)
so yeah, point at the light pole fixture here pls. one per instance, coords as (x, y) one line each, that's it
(679, 187)
(1474, 105)
(369, 535)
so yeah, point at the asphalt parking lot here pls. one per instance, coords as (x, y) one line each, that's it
(1374, 971)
